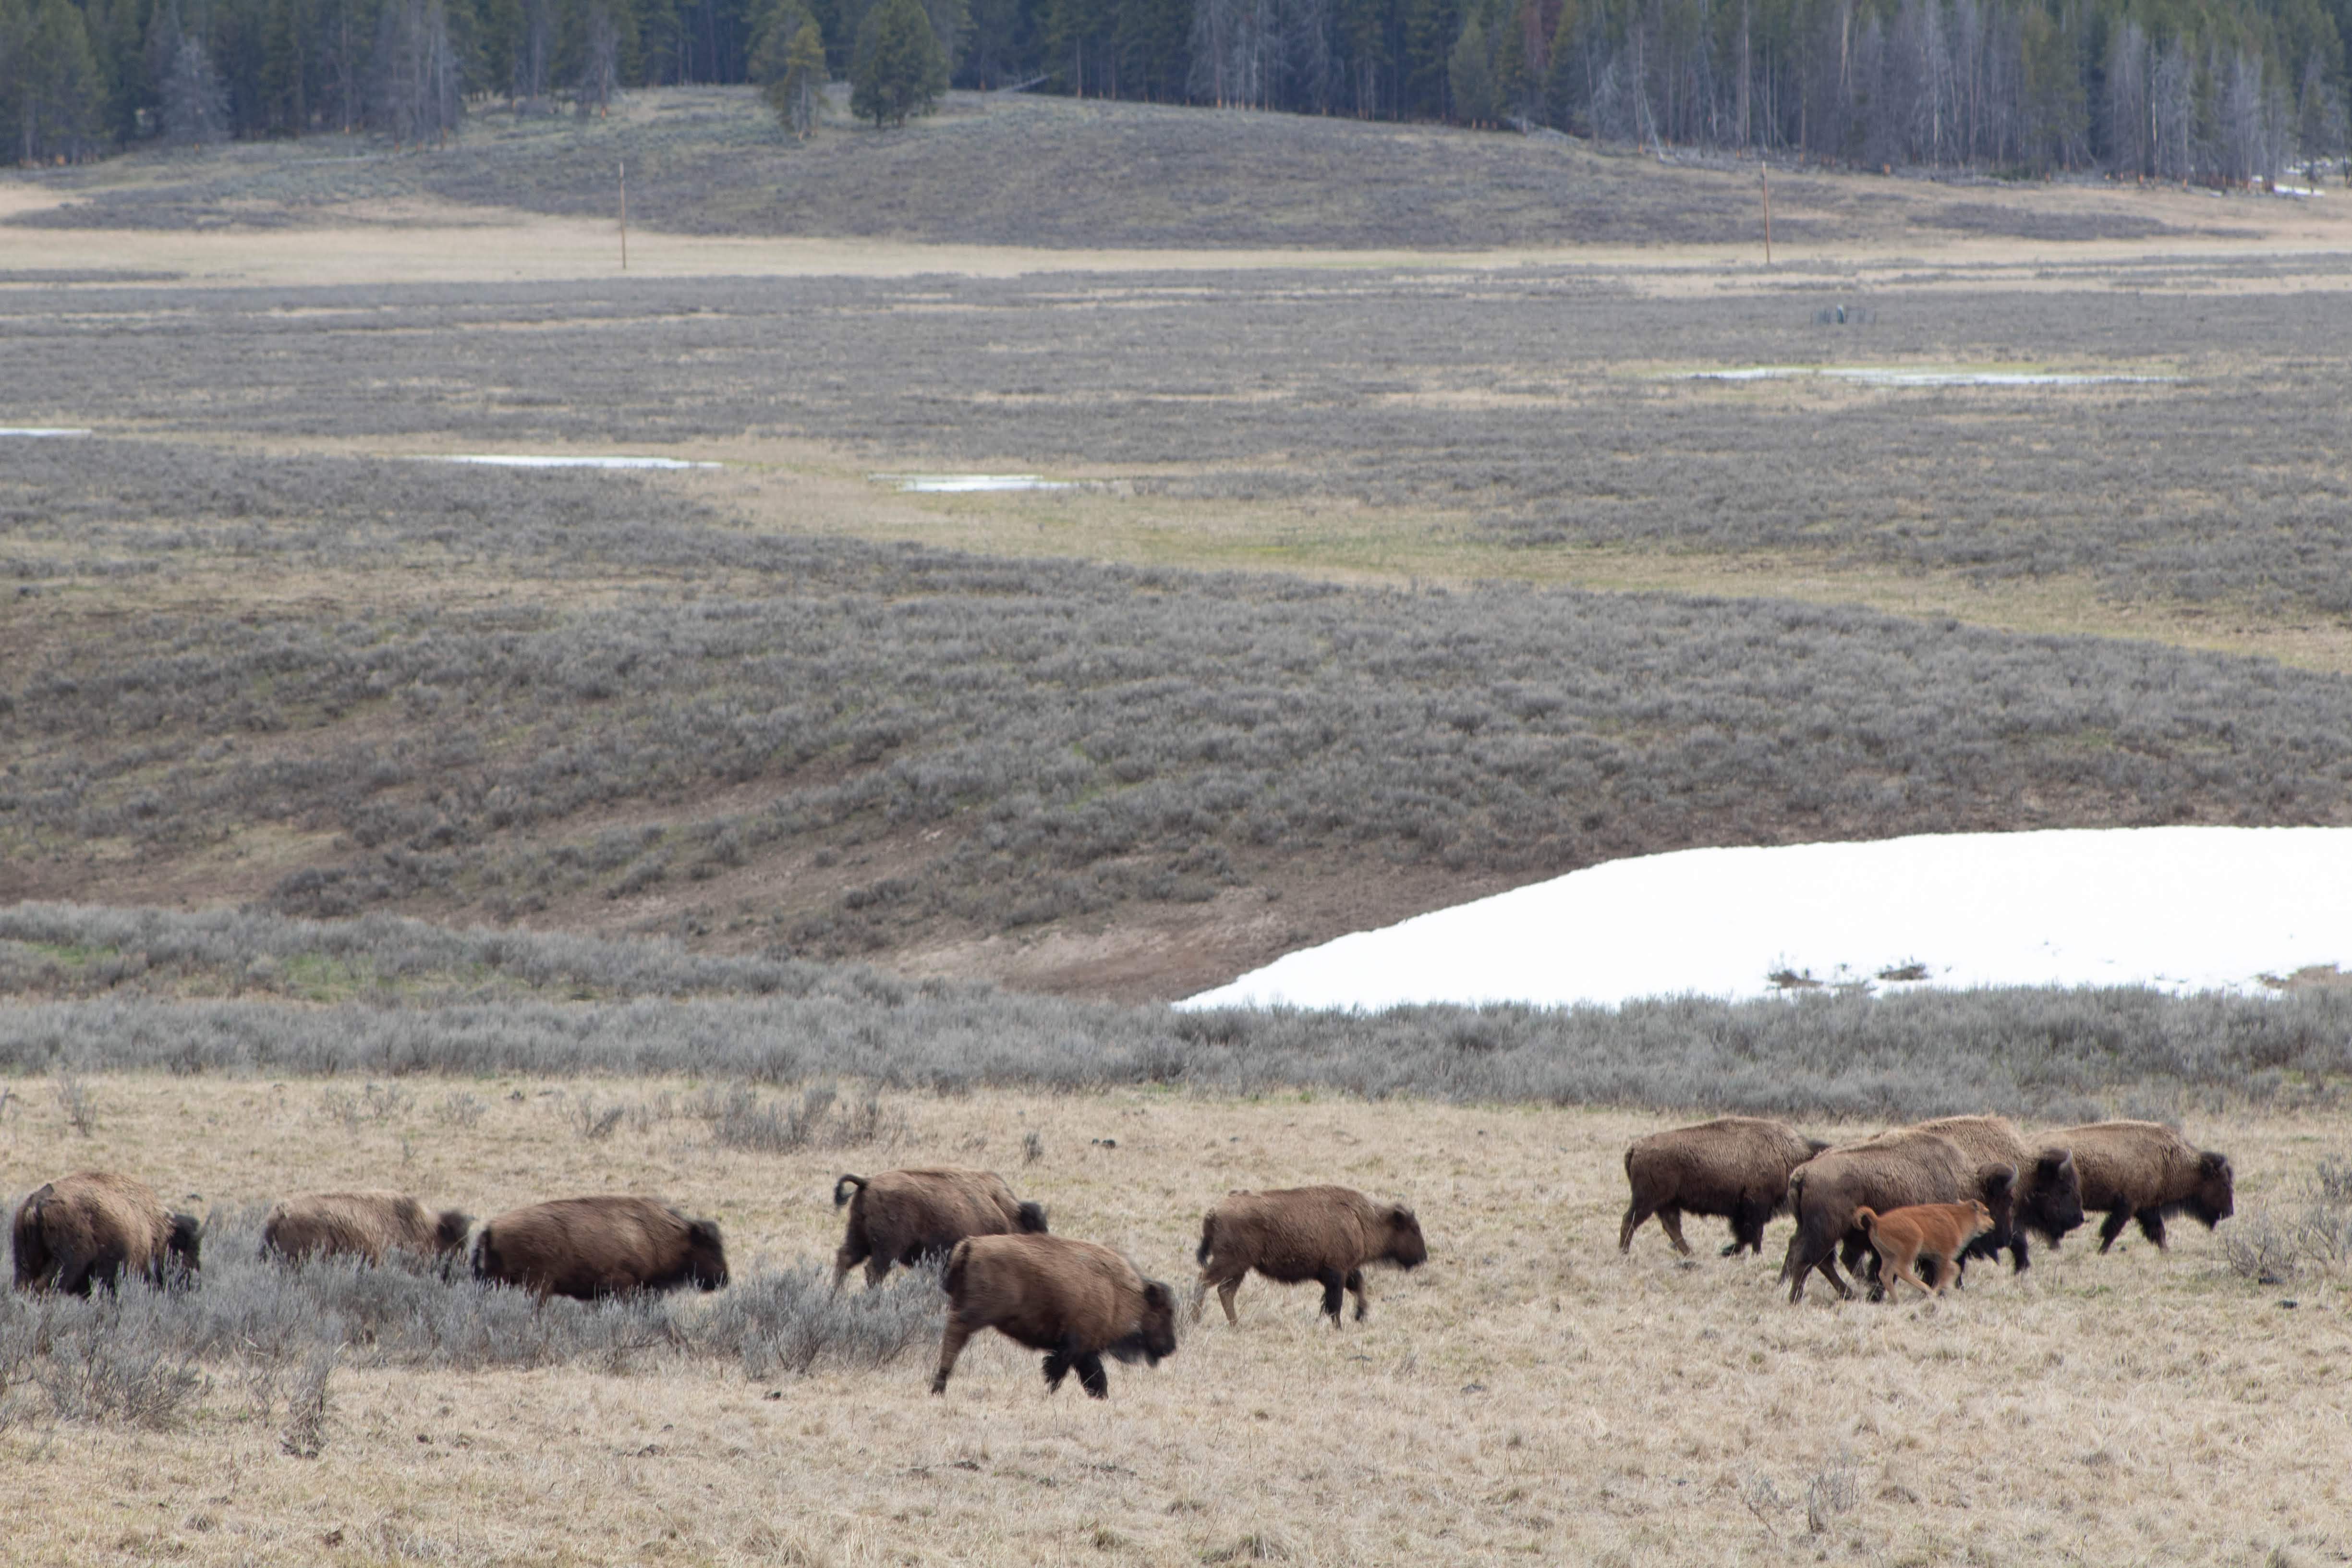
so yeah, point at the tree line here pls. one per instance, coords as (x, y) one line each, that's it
(2215, 90)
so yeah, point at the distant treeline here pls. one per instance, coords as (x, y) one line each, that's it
(2215, 90)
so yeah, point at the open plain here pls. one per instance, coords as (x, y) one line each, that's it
(1444, 512)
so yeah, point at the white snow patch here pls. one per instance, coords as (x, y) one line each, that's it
(37, 432)
(544, 461)
(1889, 376)
(971, 484)
(2181, 909)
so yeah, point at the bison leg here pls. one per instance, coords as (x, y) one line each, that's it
(2118, 1218)
(951, 1345)
(1333, 1282)
(2151, 1225)
(843, 1262)
(2019, 1255)
(1670, 1220)
(1355, 1283)
(1634, 1215)
(1058, 1367)
(1226, 1293)
(1091, 1376)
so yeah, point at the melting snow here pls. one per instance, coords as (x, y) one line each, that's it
(32, 431)
(2182, 908)
(1890, 376)
(539, 460)
(965, 484)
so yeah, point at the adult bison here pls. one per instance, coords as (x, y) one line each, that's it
(1298, 1234)
(1075, 1300)
(1892, 1170)
(93, 1226)
(2049, 1187)
(2145, 1172)
(588, 1247)
(900, 1216)
(370, 1226)
(1734, 1166)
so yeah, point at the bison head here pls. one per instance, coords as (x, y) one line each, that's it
(183, 1247)
(2052, 1202)
(449, 1231)
(1997, 1190)
(2215, 1197)
(1155, 1336)
(1031, 1218)
(1406, 1247)
(706, 1255)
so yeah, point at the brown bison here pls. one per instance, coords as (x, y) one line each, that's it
(93, 1226)
(1073, 1299)
(2139, 1169)
(1936, 1232)
(1735, 1166)
(2049, 1188)
(588, 1247)
(1895, 1170)
(366, 1224)
(900, 1216)
(1323, 1233)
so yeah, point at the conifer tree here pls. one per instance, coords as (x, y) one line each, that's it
(900, 69)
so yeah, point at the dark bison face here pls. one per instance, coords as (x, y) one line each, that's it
(1158, 1331)
(706, 1255)
(1031, 1218)
(2053, 1195)
(1406, 1247)
(2215, 1199)
(449, 1231)
(1998, 1191)
(184, 1245)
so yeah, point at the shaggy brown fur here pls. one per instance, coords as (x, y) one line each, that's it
(900, 1216)
(93, 1226)
(1891, 1171)
(1073, 1299)
(588, 1247)
(2049, 1188)
(1735, 1166)
(1323, 1233)
(1938, 1232)
(368, 1225)
(2141, 1171)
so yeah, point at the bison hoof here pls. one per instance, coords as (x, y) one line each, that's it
(938, 1385)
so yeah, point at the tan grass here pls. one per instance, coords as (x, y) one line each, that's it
(1529, 1394)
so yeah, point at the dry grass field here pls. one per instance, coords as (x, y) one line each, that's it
(1529, 1394)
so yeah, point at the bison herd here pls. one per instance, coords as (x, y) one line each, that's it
(1951, 1189)
(1944, 1191)
(1075, 1300)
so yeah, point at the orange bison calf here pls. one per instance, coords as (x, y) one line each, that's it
(1891, 1171)
(588, 1247)
(91, 1227)
(1735, 1166)
(366, 1224)
(1075, 1300)
(2143, 1171)
(901, 1216)
(1939, 1232)
(1298, 1234)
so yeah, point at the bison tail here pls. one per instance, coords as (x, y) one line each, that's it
(952, 1281)
(1208, 1240)
(841, 1189)
(1867, 1218)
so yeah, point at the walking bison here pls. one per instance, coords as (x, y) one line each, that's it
(92, 1228)
(1075, 1300)
(2049, 1188)
(589, 1247)
(1298, 1234)
(2141, 1171)
(900, 1216)
(1734, 1166)
(1892, 1170)
(372, 1226)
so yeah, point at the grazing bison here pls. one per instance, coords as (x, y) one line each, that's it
(1323, 1233)
(900, 1216)
(367, 1225)
(1073, 1299)
(588, 1247)
(93, 1226)
(2049, 1188)
(2139, 1169)
(1892, 1170)
(1735, 1166)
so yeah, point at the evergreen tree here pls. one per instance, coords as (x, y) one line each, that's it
(900, 69)
(1470, 74)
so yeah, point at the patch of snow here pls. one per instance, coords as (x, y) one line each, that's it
(540, 460)
(2181, 909)
(969, 484)
(37, 432)
(1871, 375)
